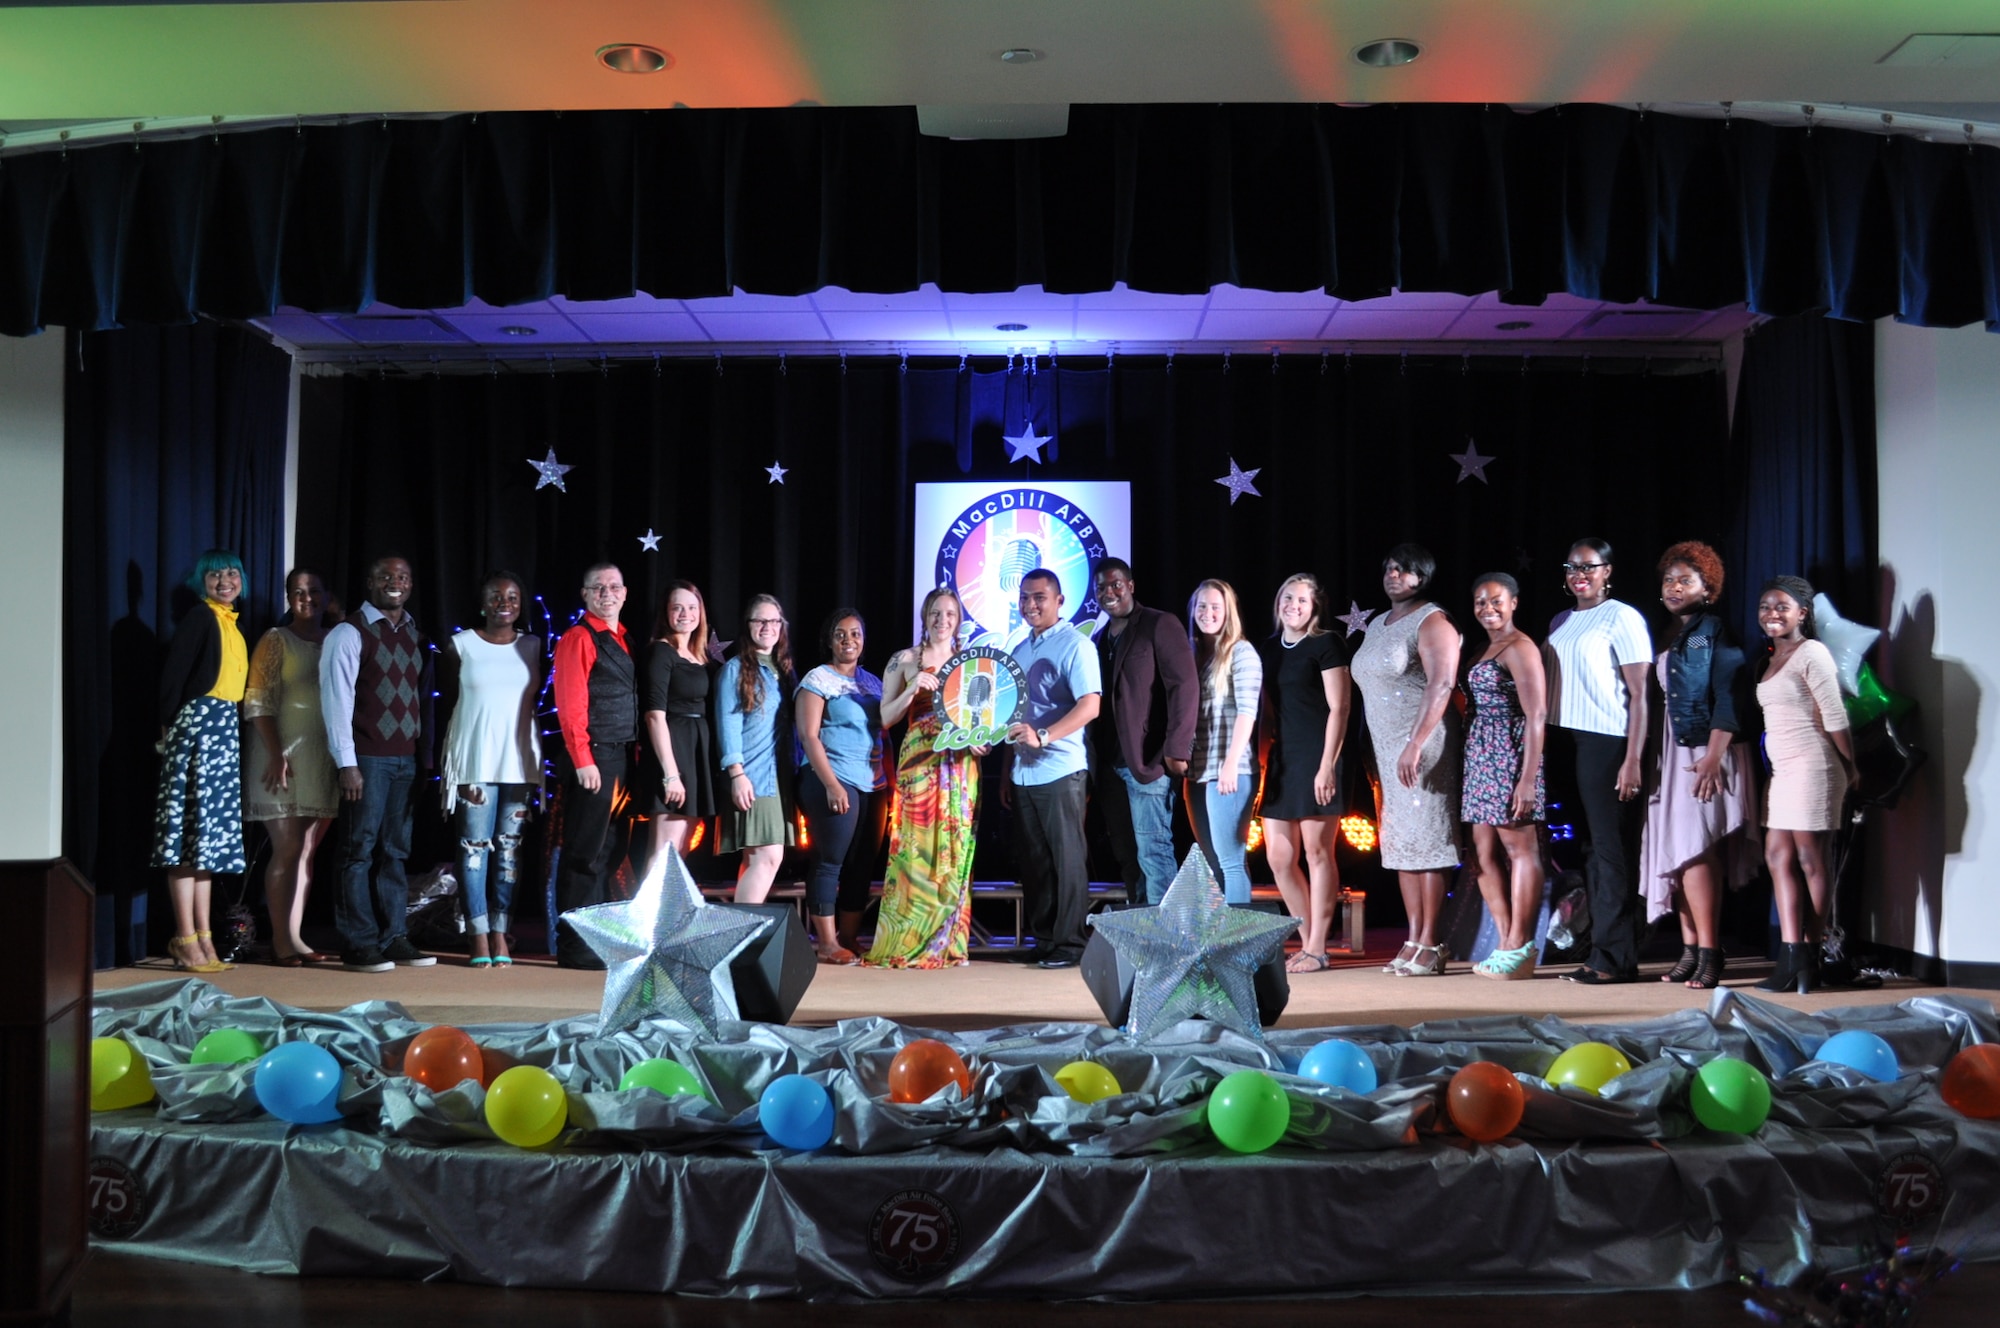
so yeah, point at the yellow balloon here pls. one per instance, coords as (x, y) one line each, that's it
(118, 1075)
(1589, 1066)
(1087, 1081)
(526, 1107)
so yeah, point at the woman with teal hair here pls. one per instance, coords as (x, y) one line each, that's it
(198, 819)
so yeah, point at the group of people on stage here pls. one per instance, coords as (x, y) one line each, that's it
(1156, 706)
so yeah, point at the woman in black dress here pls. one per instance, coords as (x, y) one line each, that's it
(1305, 705)
(678, 783)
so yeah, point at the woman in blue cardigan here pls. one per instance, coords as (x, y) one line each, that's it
(753, 698)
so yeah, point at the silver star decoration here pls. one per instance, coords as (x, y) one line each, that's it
(666, 953)
(1237, 481)
(1193, 956)
(649, 541)
(1026, 445)
(1356, 617)
(777, 472)
(551, 472)
(1471, 465)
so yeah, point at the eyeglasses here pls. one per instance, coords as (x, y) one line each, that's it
(767, 622)
(1585, 567)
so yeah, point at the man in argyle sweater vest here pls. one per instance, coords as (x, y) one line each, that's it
(375, 688)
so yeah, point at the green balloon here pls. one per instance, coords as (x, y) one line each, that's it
(226, 1046)
(1872, 700)
(665, 1077)
(1249, 1111)
(1730, 1096)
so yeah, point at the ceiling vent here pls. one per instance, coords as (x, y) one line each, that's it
(1640, 324)
(1015, 121)
(397, 330)
(1946, 50)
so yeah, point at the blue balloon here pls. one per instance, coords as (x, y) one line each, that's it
(796, 1112)
(1340, 1064)
(299, 1082)
(1861, 1051)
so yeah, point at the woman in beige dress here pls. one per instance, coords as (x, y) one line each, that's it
(1405, 671)
(288, 776)
(1812, 767)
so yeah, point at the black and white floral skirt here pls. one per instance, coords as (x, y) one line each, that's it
(198, 821)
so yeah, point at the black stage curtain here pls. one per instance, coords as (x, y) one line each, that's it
(174, 442)
(1805, 439)
(1593, 200)
(1352, 456)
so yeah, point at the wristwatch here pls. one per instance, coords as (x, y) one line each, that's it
(1041, 737)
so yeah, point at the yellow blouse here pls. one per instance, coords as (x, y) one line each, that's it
(235, 671)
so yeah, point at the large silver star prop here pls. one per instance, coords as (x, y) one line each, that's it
(1193, 956)
(666, 953)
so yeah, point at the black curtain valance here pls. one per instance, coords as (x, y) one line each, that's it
(1597, 201)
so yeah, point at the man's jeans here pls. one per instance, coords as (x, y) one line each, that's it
(374, 904)
(1151, 812)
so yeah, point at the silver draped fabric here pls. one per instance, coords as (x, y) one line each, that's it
(1039, 1195)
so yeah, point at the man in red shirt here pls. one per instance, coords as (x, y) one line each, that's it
(597, 705)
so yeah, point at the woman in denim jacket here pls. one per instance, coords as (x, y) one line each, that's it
(1699, 815)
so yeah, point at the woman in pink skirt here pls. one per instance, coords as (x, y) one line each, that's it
(1699, 811)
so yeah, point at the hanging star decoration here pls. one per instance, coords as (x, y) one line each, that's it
(649, 541)
(1026, 445)
(1237, 481)
(1356, 617)
(1471, 465)
(666, 953)
(1193, 956)
(777, 472)
(551, 472)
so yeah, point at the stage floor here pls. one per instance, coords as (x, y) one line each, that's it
(990, 993)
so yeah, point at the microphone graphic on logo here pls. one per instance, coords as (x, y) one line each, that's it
(979, 700)
(1021, 557)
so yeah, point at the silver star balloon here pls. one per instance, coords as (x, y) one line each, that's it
(1848, 641)
(551, 471)
(1237, 481)
(1193, 956)
(666, 953)
(1471, 465)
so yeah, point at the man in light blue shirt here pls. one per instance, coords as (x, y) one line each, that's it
(1051, 772)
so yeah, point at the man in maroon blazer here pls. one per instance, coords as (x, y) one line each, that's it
(1144, 730)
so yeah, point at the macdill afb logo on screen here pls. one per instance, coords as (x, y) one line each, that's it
(993, 543)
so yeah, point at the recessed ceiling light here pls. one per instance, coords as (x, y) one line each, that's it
(1387, 53)
(1020, 55)
(632, 58)
(1010, 327)
(519, 330)
(1514, 325)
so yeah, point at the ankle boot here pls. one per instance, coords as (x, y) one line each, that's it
(1792, 972)
(1807, 978)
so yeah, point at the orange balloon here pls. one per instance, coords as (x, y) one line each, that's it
(1971, 1083)
(923, 1067)
(1485, 1101)
(443, 1057)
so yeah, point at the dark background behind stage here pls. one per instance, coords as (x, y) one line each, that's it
(1352, 456)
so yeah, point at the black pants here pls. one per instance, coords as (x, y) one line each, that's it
(843, 846)
(1049, 858)
(1613, 827)
(583, 878)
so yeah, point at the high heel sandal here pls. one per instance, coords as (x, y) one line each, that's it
(1684, 968)
(1420, 967)
(186, 953)
(1508, 965)
(1707, 970)
(207, 939)
(1402, 959)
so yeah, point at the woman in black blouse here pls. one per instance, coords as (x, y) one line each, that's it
(679, 751)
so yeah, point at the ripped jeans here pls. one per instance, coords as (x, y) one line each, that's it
(489, 851)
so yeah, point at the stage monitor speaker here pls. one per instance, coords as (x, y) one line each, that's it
(773, 971)
(1109, 977)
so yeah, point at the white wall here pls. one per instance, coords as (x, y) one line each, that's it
(1935, 860)
(31, 595)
